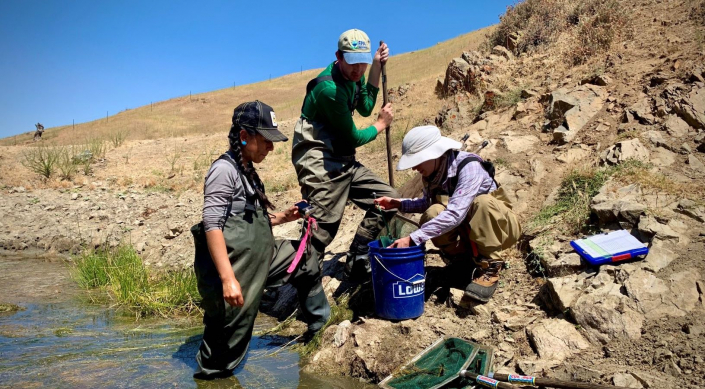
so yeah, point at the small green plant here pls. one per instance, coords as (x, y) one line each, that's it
(67, 163)
(97, 148)
(118, 137)
(121, 273)
(172, 158)
(509, 98)
(572, 205)
(42, 159)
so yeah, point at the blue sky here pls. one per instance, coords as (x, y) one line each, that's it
(74, 60)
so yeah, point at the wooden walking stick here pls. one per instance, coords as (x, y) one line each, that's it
(385, 100)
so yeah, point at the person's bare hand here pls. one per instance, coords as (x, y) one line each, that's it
(387, 203)
(232, 293)
(382, 54)
(401, 243)
(385, 117)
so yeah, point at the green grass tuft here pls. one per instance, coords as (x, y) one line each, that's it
(127, 281)
(339, 312)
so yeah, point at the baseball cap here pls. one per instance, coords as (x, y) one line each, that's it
(258, 116)
(355, 45)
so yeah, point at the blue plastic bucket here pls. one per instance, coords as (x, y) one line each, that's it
(398, 281)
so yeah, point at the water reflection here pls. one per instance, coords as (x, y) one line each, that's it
(60, 342)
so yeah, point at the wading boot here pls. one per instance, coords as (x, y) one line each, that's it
(357, 261)
(485, 280)
(316, 311)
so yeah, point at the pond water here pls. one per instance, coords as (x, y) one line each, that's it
(59, 340)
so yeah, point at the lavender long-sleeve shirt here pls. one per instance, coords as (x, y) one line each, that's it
(473, 180)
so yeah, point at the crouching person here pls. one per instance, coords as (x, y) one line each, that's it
(465, 214)
(236, 254)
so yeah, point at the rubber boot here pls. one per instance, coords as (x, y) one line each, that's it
(485, 280)
(357, 261)
(315, 308)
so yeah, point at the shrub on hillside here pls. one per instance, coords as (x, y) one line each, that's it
(592, 25)
(41, 159)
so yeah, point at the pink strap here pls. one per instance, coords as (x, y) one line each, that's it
(302, 246)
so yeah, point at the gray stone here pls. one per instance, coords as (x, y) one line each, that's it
(565, 264)
(503, 52)
(626, 380)
(563, 291)
(676, 127)
(663, 157)
(518, 144)
(650, 229)
(342, 333)
(562, 135)
(606, 314)
(695, 163)
(691, 209)
(642, 111)
(658, 257)
(556, 339)
(656, 298)
(574, 107)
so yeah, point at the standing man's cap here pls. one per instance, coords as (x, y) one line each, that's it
(355, 45)
(258, 116)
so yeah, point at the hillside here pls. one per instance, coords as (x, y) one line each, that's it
(595, 114)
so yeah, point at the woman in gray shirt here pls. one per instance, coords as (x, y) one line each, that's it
(236, 254)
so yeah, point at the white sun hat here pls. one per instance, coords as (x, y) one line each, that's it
(423, 144)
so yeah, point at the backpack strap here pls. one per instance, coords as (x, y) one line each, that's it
(487, 165)
(249, 197)
(338, 80)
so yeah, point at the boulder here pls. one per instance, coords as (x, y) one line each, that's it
(641, 111)
(456, 73)
(518, 144)
(656, 298)
(658, 257)
(573, 108)
(626, 150)
(676, 127)
(567, 263)
(599, 80)
(574, 155)
(618, 204)
(606, 314)
(563, 291)
(688, 103)
(556, 339)
(537, 367)
(691, 209)
(650, 228)
(695, 163)
(502, 51)
(663, 157)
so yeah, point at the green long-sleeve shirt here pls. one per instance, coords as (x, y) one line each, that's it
(329, 104)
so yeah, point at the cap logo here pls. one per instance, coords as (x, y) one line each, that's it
(274, 118)
(359, 44)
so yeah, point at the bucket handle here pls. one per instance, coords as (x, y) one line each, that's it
(399, 278)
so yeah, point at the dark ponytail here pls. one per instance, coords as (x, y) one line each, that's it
(247, 168)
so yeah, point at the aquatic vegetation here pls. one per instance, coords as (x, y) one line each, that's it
(131, 285)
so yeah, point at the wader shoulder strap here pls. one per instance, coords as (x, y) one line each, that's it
(249, 197)
(351, 105)
(487, 165)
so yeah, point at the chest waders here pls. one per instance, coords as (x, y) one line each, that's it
(228, 330)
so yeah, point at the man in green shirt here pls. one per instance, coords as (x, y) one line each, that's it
(323, 151)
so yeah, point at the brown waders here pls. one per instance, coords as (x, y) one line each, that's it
(258, 261)
(328, 181)
(489, 228)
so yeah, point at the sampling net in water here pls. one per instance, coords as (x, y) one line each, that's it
(439, 365)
